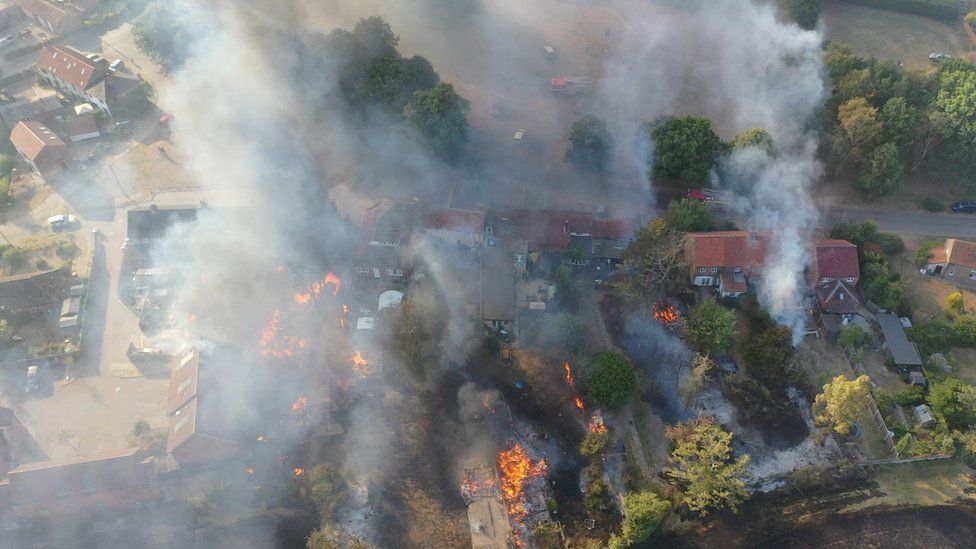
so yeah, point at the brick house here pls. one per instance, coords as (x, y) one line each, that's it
(726, 260)
(43, 151)
(834, 274)
(955, 263)
(199, 430)
(70, 71)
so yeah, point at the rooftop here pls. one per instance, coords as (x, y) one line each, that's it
(497, 285)
(836, 259)
(903, 350)
(71, 66)
(33, 138)
(961, 252)
(727, 249)
(34, 290)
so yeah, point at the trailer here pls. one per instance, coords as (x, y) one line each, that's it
(570, 85)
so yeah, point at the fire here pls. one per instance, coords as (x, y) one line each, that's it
(299, 405)
(249, 471)
(517, 472)
(665, 313)
(569, 374)
(579, 402)
(345, 309)
(299, 471)
(596, 424)
(260, 438)
(360, 365)
(278, 345)
(313, 291)
(269, 333)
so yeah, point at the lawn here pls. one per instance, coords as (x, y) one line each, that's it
(889, 35)
(921, 483)
(926, 295)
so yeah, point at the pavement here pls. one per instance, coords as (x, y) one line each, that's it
(910, 222)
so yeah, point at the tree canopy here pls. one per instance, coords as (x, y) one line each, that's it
(883, 173)
(685, 149)
(956, 110)
(611, 380)
(653, 260)
(806, 13)
(710, 328)
(164, 33)
(954, 401)
(841, 403)
(439, 117)
(768, 356)
(327, 488)
(754, 137)
(643, 513)
(595, 443)
(688, 215)
(590, 144)
(703, 467)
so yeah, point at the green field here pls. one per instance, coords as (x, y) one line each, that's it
(890, 35)
(941, 9)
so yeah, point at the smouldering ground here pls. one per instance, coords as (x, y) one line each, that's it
(889, 35)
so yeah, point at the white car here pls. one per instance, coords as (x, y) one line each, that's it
(63, 220)
(519, 134)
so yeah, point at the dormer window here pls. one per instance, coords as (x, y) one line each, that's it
(850, 279)
(738, 269)
(824, 280)
(701, 269)
(714, 269)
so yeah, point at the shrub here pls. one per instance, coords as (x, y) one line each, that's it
(42, 265)
(611, 381)
(594, 443)
(954, 303)
(912, 396)
(935, 336)
(931, 204)
(15, 258)
(853, 336)
(890, 244)
(925, 252)
(66, 249)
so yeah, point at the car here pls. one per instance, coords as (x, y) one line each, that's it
(115, 65)
(61, 221)
(519, 135)
(550, 52)
(964, 207)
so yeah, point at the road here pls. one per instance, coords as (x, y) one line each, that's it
(910, 222)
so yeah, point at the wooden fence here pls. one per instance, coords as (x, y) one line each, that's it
(854, 362)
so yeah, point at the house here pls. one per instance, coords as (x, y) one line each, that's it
(79, 128)
(902, 350)
(837, 297)
(74, 73)
(833, 261)
(549, 231)
(498, 289)
(448, 226)
(56, 16)
(955, 262)
(726, 260)
(610, 239)
(33, 293)
(387, 234)
(200, 430)
(41, 148)
(116, 480)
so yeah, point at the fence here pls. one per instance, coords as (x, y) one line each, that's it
(855, 363)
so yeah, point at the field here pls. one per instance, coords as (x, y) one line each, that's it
(890, 35)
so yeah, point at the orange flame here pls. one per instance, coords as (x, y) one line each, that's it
(665, 313)
(249, 471)
(345, 309)
(517, 472)
(277, 345)
(313, 291)
(569, 374)
(299, 471)
(299, 405)
(360, 365)
(596, 424)
(579, 402)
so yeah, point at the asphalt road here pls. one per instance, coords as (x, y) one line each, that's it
(911, 222)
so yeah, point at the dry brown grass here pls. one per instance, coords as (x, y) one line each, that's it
(926, 295)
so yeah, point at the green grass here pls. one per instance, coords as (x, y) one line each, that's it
(940, 9)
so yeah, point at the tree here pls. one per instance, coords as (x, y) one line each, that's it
(701, 366)
(840, 60)
(375, 38)
(768, 356)
(858, 131)
(970, 19)
(327, 488)
(573, 333)
(643, 513)
(955, 109)
(841, 403)
(611, 380)
(598, 496)
(898, 120)
(164, 33)
(687, 215)
(590, 144)
(703, 467)
(754, 137)
(392, 81)
(954, 401)
(685, 149)
(438, 116)
(15, 258)
(710, 328)
(883, 173)
(654, 260)
(595, 443)
(140, 428)
(885, 288)
(954, 302)
(853, 336)
(806, 13)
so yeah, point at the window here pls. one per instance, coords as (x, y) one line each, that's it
(738, 269)
(183, 386)
(714, 269)
(362, 270)
(952, 272)
(181, 423)
(824, 280)
(850, 279)
(701, 269)
(394, 272)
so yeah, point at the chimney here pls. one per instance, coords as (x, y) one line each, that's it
(566, 226)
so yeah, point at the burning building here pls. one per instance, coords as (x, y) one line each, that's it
(487, 513)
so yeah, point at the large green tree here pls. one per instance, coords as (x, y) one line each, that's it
(955, 109)
(954, 400)
(687, 215)
(858, 132)
(883, 173)
(754, 137)
(327, 488)
(643, 513)
(898, 120)
(710, 328)
(590, 143)
(654, 260)
(703, 467)
(439, 117)
(806, 13)
(610, 381)
(841, 403)
(685, 149)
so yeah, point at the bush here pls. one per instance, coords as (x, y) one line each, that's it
(954, 302)
(935, 336)
(954, 401)
(594, 443)
(930, 204)
(853, 336)
(611, 381)
(15, 258)
(925, 252)
(598, 496)
(41, 265)
(66, 249)
(5, 196)
(912, 396)
(971, 19)
(890, 244)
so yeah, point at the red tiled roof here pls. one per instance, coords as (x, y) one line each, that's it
(70, 66)
(938, 255)
(46, 480)
(32, 138)
(455, 220)
(726, 249)
(560, 226)
(961, 252)
(613, 228)
(47, 11)
(728, 282)
(837, 297)
(836, 259)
